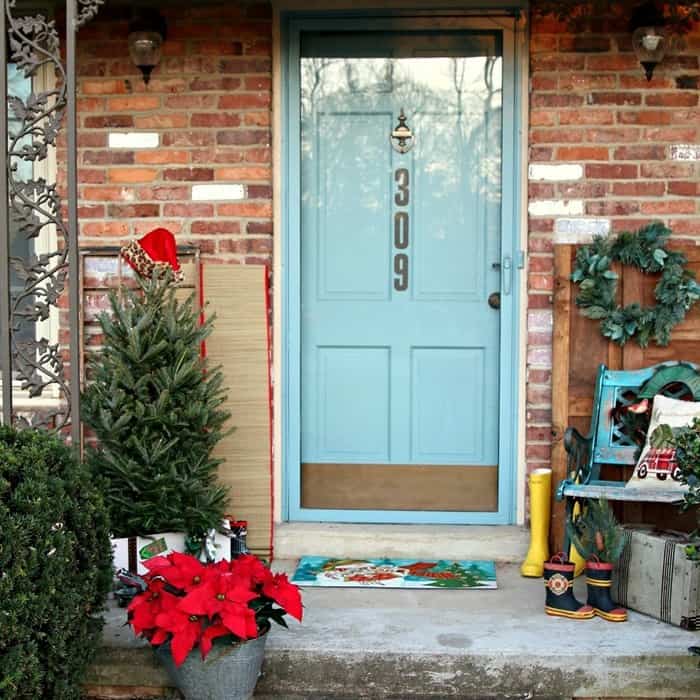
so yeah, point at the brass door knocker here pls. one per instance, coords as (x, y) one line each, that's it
(402, 139)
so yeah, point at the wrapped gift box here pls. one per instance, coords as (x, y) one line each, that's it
(654, 576)
(130, 552)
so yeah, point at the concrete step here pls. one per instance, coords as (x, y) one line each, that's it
(503, 543)
(409, 644)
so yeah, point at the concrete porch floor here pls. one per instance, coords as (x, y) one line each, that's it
(373, 643)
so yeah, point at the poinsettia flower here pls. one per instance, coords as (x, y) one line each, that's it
(249, 567)
(285, 594)
(226, 597)
(186, 630)
(210, 634)
(144, 608)
(180, 570)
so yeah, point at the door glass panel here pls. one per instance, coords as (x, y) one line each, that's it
(400, 349)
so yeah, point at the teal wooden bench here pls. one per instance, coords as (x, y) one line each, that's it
(610, 442)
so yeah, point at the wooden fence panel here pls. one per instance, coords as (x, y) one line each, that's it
(578, 350)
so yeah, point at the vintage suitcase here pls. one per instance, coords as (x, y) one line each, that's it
(654, 576)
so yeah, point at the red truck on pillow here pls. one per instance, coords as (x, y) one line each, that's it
(661, 462)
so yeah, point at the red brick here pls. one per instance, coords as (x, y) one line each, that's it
(644, 117)
(551, 62)
(132, 174)
(639, 189)
(586, 116)
(586, 81)
(574, 153)
(541, 225)
(259, 192)
(556, 100)
(671, 134)
(672, 99)
(209, 84)
(165, 156)
(540, 153)
(133, 103)
(640, 153)
(541, 263)
(257, 118)
(612, 207)
(616, 98)
(93, 177)
(542, 81)
(610, 171)
(191, 101)
(107, 157)
(555, 136)
(245, 174)
(106, 194)
(539, 452)
(670, 206)
(132, 211)
(245, 101)
(610, 135)
(680, 171)
(687, 188)
(217, 227)
(189, 210)
(258, 155)
(586, 189)
(259, 227)
(619, 62)
(91, 211)
(163, 193)
(109, 121)
(543, 117)
(540, 282)
(540, 190)
(189, 174)
(688, 227)
(214, 119)
(188, 138)
(253, 209)
(104, 228)
(540, 244)
(102, 87)
(174, 120)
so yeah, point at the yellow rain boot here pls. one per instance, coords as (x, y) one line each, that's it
(540, 509)
(574, 557)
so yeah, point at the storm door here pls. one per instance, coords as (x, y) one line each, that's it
(400, 274)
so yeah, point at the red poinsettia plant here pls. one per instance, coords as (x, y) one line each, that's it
(191, 604)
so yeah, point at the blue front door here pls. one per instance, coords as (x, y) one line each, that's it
(400, 275)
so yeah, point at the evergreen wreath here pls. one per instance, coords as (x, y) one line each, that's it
(675, 293)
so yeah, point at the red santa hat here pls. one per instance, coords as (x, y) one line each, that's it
(155, 251)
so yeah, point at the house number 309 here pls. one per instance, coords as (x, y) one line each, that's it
(401, 238)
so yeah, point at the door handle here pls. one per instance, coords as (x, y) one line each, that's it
(494, 300)
(507, 276)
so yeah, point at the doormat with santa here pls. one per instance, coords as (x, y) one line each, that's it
(395, 573)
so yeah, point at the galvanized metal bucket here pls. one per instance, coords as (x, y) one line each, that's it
(228, 673)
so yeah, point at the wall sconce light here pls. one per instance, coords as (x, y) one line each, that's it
(147, 31)
(649, 38)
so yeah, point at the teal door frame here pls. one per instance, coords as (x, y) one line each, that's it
(292, 26)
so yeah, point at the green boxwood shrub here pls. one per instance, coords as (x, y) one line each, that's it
(55, 567)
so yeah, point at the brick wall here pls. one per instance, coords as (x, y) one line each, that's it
(609, 151)
(208, 109)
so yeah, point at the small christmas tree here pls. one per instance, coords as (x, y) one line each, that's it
(596, 532)
(155, 408)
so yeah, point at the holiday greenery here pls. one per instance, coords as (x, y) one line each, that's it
(686, 441)
(155, 408)
(675, 293)
(596, 532)
(55, 567)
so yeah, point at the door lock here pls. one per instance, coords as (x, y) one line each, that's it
(495, 300)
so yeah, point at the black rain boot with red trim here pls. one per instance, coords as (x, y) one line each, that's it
(559, 581)
(599, 581)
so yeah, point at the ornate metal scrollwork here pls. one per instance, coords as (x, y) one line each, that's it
(35, 210)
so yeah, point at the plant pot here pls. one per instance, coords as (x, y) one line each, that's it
(229, 672)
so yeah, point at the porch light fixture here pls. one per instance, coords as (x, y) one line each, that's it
(649, 38)
(147, 31)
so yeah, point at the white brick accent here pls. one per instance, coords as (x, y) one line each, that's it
(214, 192)
(580, 230)
(555, 173)
(556, 207)
(685, 151)
(134, 139)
